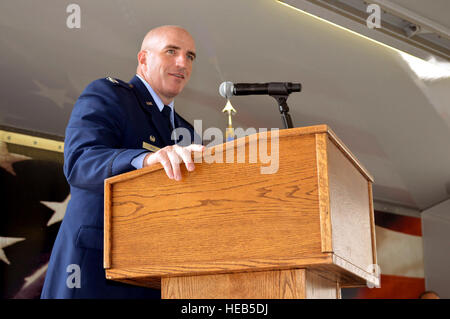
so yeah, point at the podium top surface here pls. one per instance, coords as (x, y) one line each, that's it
(283, 133)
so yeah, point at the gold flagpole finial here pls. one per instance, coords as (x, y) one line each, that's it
(229, 134)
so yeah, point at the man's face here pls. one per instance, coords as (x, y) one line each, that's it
(169, 63)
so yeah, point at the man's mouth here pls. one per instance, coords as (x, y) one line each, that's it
(178, 75)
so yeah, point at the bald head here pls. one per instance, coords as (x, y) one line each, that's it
(156, 34)
(165, 60)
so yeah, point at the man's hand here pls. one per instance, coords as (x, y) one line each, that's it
(170, 158)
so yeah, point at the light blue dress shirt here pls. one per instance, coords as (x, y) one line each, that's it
(138, 161)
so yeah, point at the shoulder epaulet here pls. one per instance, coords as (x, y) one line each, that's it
(119, 82)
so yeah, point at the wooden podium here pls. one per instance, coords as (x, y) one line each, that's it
(227, 230)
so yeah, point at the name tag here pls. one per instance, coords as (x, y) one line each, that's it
(150, 147)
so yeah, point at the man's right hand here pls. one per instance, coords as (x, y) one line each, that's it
(171, 156)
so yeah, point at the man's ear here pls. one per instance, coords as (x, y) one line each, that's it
(142, 58)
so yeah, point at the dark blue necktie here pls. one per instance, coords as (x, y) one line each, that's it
(166, 111)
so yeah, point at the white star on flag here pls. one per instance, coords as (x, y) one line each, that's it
(7, 159)
(59, 210)
(5, 242)
(35, 276)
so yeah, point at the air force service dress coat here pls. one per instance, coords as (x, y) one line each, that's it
(107, 128)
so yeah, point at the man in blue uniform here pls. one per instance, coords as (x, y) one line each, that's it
(111, 124)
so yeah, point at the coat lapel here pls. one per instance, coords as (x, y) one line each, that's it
(150, 107)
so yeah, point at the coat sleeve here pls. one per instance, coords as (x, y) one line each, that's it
(93, 148)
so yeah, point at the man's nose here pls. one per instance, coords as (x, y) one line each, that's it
(181, 61)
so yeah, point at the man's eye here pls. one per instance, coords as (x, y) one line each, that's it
(191, 57)
(171, 51)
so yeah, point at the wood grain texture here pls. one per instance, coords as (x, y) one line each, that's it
(338, 291)
(221, 212)
(143, 273)
(318, 287)
(107, 228)
(324, 197)
(294, 132)
(228, 218)
(333, 268)
(278, 284)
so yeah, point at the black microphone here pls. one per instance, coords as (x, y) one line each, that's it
(228, 89)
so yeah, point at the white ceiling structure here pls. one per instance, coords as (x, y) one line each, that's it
(434, 10)
(396, 123)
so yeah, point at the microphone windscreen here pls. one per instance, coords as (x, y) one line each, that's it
(226, 89)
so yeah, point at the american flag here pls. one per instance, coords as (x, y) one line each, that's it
(400, 258)
(34, 195)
